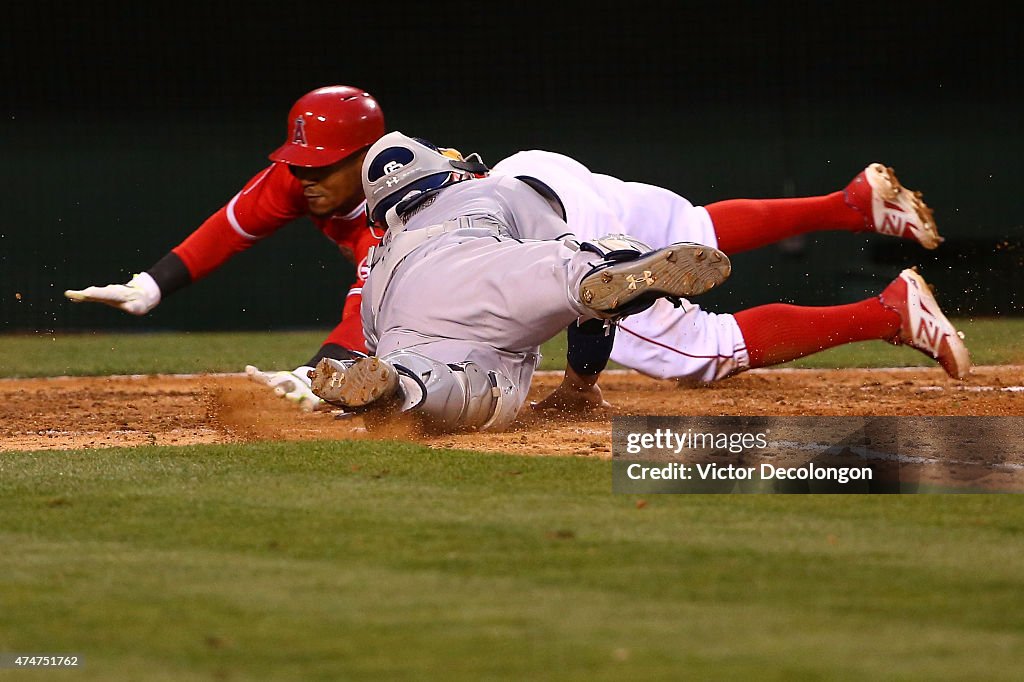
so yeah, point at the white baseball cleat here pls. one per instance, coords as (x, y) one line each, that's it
(355, 384)
(890, 208)
(616, 289)
(922, 324)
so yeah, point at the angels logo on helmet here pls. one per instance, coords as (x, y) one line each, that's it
(299, 137)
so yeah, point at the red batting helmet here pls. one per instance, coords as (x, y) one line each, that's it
(328, 124)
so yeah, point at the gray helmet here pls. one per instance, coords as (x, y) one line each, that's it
(397, 166)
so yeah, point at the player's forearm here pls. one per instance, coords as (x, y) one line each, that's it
(203, 251)
(574, 381)
(590, 347)
(170, 274)
(211, 245)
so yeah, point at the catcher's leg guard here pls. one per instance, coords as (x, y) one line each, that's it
(445, 397)
(458, 396)
(628, 281)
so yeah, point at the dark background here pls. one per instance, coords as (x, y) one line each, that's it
(126, 125)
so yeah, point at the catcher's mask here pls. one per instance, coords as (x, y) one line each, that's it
(398, 167)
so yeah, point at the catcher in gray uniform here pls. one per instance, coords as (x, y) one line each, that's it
(457, 302)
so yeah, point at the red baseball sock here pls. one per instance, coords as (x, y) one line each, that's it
(745, 224)
(779, 332)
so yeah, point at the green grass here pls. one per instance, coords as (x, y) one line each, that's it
(992, 341)
(98, 354)
(373, 560)
(376, 560)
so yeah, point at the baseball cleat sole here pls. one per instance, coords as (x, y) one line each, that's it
(677, 271)
(890, 199)
(354, 384)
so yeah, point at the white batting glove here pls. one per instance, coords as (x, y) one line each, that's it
(293, 386)
(138, 296)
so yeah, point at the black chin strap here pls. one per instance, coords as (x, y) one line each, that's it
(474, 167)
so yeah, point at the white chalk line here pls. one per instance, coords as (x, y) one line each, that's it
(869, 454)
(608, 372)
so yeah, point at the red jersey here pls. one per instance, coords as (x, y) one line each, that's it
(270, 200)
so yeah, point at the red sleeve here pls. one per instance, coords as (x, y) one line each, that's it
(354, 240)
(349, 332)
(270, 200)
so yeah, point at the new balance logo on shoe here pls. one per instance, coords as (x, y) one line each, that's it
(894, 225)
(928, 334)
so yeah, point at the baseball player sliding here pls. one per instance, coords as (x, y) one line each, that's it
(473, 274)
(316, 172)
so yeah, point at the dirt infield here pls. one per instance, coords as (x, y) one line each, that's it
(94, 412)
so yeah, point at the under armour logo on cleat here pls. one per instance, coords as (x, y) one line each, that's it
(634, 282)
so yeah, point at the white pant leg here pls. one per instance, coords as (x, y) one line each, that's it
(687, 343)
(655, 215)
(597, 205)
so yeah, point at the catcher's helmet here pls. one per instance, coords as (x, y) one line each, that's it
(397, 166)
(328, 124)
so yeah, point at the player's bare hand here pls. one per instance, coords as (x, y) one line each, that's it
(573, 399)
(293, 386)
(140, 295)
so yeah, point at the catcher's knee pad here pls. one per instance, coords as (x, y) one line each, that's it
(459, 396)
